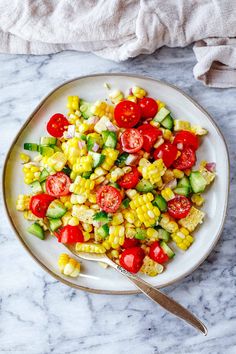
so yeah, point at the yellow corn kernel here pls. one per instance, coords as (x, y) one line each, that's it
(101, 108)
(83, 213)
(84, 127)
(87, 227)
(106, 244)
(197, 199)
(145, 211)
(74, 221)
(82, 187)
(152, 233)
(160, 104)
(99, 180)
(152, 171)
(132, 98)
(90, 247)
(192, 220)
(131, 193)
(31, 172)
(114, 254)
(86, 235)
(167, 134)
(110, 158)
(198, 130)
(130, 232)
(116, 96)
(182, 238)
(23, 202)
(138, 92)
(167, 194)
(181, 125)
(57, 161)
(73, 103)
(116, 174)
(92, 198)
(167, 223)
(117, 219)
(83, 164)
(178, 173)
(151, 267)
(99, 171)
(157, 125)
(117, 236)
(25, 158)
(129, 215)
(68, 266)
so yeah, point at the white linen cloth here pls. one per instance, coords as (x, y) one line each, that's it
(122, 29)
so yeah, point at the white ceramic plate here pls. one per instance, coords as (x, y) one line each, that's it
(93, 277)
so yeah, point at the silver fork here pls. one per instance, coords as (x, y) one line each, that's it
(154, 294)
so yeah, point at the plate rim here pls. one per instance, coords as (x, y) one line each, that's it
(27, 248)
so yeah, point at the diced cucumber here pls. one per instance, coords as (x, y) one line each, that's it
(102, 216)
(83, 137)
(182, 191)
(36, 187)
(197, 181)
(160, 202)
(48, 140)
(43, 175)
(144, 186)
(56, 210)
(163, 234)
(109, 138)
(57, 148)
(92, 139)
(115, 185)
(121, 159)
(36, 230)
(160, 116)
(43, 185)
(46, 150)
(87, 174)
(140, 234)
(67, 170)
(103, 230)
(167, 249)
(54, 224)
(184, 182)
(98, 159)
(168, 122)
(126, 202)
(85, 109)
(31, 146)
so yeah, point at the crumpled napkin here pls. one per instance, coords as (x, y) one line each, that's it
(122, 29)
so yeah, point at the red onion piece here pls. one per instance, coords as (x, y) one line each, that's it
(130, 92)
(211, 166)
(81, 144)
(92, 120)
(160, 154)
(95, 147)
(111, 127)
(131, 160)
(172, 184)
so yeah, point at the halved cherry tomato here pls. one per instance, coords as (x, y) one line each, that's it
(179, 207)
(109, 199)
(70, 234)
(132, 259)
(150, 135)
(186, 138)
(57, 124)
(39, 204)
(130, 242)
(157, 254)
(186, 160)
(130, 179)
(167, 152)
(148, 107)
(131, 140)
(127, 114)
(58, 184)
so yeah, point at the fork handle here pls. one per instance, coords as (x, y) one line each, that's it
(163, 300)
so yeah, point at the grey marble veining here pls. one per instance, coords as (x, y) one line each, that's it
(39, 315)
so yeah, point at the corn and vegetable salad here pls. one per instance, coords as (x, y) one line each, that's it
(116, 176)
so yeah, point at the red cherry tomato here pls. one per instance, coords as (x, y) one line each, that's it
(148, 107)
(150, 135)
(186, 138)
(58, 185)
(132, 259)
(109, 199)
(70, 234)
(39, 204)
(131, 140)
(167, 152)
(157, 254)
(57, 124)
(186, 160)
(130, 179)
(130, 242)
(127, 114)
(179, 207)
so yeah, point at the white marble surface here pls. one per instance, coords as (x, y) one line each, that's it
(39, 315)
